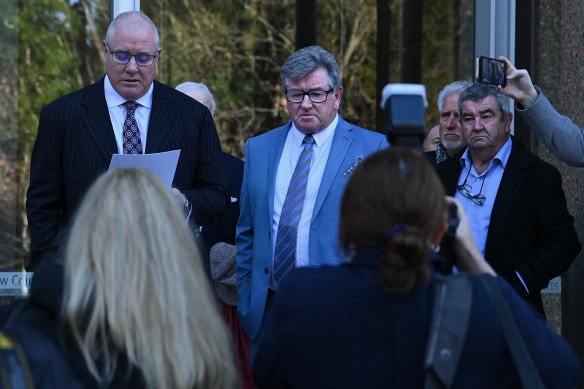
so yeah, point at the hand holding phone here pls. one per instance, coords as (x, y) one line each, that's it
(519, 85)
(491, 71)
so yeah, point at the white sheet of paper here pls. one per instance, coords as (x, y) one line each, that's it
(163, 165)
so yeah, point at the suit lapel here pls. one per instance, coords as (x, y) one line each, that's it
(275, 149)
(161, 118)
(449, 172)
(509, 188)
(342, 140)
(97, 122)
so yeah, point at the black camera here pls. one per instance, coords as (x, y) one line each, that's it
(446, 264)
(404, 106)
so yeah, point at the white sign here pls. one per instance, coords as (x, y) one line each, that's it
(15, 283)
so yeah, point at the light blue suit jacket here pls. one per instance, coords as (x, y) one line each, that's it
(254, 228)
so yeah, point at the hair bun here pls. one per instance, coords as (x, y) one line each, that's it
(394, 230)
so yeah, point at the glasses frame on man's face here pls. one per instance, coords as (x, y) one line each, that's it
(123, 57)
(316, 96)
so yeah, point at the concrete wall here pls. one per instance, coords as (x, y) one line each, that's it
(559, 57)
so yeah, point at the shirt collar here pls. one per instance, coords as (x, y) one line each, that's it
(113, 98)
(502, 155)
(319, 138)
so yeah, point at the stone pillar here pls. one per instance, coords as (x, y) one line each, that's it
(560, 72)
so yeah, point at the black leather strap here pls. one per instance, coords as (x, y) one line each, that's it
(521, 357)
(452, 306)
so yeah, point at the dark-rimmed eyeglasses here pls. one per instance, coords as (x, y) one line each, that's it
(123, 57)
(316, 96)
(464, 189)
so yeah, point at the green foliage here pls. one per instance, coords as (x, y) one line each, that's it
(52, 47)
(45, 60)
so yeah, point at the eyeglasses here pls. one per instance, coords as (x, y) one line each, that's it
(123, 57)
(464, 189)
(316, 96)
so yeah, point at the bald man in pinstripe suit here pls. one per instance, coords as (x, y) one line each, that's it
(79, 132)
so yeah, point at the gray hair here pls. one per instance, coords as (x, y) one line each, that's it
(190, 85)
(307, 60)
(478, 92)
(111, 30)
(453, 87)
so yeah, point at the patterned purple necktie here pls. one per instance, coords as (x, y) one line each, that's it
(130, 132)
(285, 251)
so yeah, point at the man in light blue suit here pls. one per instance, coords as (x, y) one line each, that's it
(330, 149)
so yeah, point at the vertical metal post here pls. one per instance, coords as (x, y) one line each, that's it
(411, 53)
(525, 57)
(383, 44)
(306, 23)
(119, 6)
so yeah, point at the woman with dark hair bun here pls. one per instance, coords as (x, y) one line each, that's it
(364, 324)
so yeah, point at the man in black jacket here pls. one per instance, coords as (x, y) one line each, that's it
(127, 111)
(514, 200)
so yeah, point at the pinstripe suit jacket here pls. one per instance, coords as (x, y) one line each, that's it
(75, 143)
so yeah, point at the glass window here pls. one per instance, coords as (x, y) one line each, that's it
(54, 47)
(447, 48)
(49, 49)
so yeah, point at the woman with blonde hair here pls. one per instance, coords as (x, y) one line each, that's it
(137, 309)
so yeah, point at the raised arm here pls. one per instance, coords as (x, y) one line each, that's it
(557, 132)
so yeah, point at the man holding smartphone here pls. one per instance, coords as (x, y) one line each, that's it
(557, 132)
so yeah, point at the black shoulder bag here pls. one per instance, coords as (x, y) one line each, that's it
(450, 318)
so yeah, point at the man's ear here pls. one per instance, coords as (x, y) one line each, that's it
(508, 120)
(338, 95)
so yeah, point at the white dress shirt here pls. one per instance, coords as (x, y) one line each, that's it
(117, 112)
(292, 149)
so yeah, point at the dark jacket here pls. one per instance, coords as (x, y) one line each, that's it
(54, 358)
(75, 143)
(530, 229)
(224, 229)
(336, 327)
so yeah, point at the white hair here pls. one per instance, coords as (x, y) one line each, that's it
(190, 85)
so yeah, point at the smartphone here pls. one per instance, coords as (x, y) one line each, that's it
(490, 71)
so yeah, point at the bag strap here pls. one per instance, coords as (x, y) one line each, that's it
(452, 306)
(521, 357)
(14, 370)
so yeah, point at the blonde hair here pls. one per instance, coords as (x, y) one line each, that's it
(135, 287)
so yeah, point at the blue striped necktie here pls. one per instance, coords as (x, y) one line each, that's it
(285, 251)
